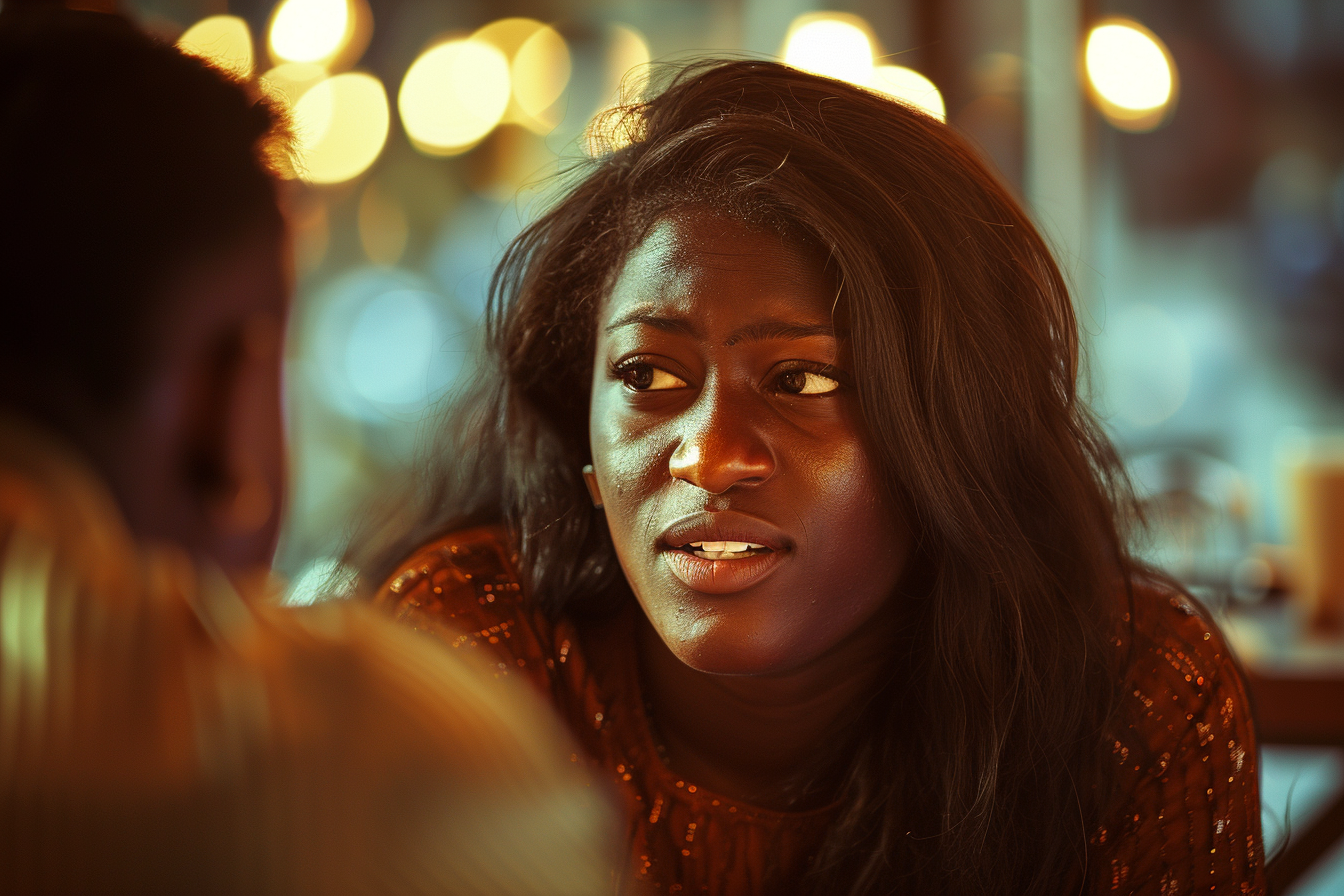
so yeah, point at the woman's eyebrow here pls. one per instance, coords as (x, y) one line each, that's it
(757, 331)
(761, 330)
(667, 324)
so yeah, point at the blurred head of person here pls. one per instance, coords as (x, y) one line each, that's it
(159, 733)
(145, 275)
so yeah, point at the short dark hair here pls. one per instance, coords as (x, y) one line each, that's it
(120, 159)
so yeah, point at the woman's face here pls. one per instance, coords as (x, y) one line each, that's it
(728, 450)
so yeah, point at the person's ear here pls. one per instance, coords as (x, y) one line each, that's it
(590, 480)
(234, 443)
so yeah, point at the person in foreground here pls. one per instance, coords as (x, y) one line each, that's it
(779, 486)
(163, 728)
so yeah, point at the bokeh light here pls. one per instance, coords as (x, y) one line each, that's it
(911, 88)
(468, 248)
(340, 127)
(453, 95)
(1132, 76)
(539, 68)
(290, 81)
(391, 344)
(312, 30)
(626, 79)
(508, 35)
(540, 72)
(1147, 364)
(385, 344)
(627, 63)
(831, 44)
(1290, 198)
(223, 41)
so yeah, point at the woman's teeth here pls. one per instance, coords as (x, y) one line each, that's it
(723, 550)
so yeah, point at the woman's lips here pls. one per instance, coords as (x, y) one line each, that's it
(723, 552)
(721, 576)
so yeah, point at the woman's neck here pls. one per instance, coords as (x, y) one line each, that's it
(764, 739)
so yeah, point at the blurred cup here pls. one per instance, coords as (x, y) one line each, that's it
(1313, 467)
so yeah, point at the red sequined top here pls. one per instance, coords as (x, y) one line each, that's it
(1186, 758)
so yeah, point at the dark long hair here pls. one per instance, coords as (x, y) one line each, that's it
(981, 768)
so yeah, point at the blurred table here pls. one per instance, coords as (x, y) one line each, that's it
(1297, 688)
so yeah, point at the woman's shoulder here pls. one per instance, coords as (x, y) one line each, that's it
(464, 588)
(1183, 690)
(1173, 647)
(1187, 807)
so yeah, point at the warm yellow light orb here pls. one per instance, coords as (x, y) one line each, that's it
(615, 125)
(1131, 73)
(289, 82)
(911, 88)
(453, 95)
(311, 30)
(508, 34)
(540, 71)
(340, 126)
(627, 68)
(831, 44)
(223, 41)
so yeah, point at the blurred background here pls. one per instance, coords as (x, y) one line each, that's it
(1185, 159)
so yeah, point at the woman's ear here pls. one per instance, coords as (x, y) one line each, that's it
(590, 480)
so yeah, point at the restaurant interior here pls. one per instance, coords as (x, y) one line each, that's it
(1185, 161)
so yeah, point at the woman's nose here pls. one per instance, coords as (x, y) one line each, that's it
(721, 447)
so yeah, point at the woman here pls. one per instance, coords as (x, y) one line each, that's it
(782, 491)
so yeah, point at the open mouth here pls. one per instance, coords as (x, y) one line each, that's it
(724, 550)
(723, 553)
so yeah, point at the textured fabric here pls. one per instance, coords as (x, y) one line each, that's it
(160, 735)
(1187, 819)
(1187, 763)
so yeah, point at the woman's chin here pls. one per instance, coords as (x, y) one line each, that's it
(721, 647)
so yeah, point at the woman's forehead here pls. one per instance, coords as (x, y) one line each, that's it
(695, 257)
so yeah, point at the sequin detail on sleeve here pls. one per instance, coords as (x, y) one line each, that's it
(464, 589)
(1187, 818)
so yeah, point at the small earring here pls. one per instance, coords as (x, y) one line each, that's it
(590, 480)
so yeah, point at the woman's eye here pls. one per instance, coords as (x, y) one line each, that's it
(805, 382)
(647, 378)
